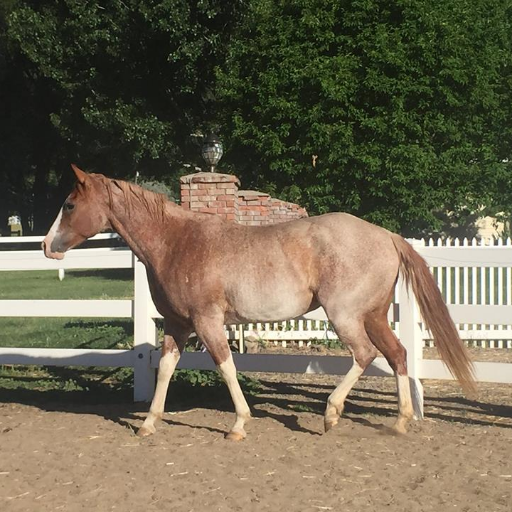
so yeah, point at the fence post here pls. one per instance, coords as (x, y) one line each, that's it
(145, 336)
(411, 336)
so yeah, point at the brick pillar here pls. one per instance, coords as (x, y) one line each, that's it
(211, 192)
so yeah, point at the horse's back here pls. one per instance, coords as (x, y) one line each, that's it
(344, 237)
(329, 243)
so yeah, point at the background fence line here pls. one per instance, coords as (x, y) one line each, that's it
(458, 285)
(474, 277)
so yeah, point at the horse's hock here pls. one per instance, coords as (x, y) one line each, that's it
(211, 192)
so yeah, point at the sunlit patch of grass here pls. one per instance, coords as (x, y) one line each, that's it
(78, 284)
(65, 332)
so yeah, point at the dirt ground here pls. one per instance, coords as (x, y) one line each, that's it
(72, 456)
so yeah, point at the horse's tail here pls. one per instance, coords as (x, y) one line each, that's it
(435, 314)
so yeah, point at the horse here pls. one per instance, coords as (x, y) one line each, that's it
(205, 272)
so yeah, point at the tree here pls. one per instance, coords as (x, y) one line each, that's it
(398, 112)
(395, 111)
(116, 86)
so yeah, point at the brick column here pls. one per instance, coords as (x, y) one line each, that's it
(211, 192)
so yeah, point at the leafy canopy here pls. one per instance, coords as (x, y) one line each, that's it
(395, 111)
(398, 111)
(117, 86)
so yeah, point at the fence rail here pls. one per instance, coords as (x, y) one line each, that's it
(38, 239)
(475, 279)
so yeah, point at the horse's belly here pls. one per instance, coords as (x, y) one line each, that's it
(269, 305)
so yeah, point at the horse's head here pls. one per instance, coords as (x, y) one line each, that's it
(83, 214)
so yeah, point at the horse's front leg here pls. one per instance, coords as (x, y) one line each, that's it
(173, 345)
(212, 334)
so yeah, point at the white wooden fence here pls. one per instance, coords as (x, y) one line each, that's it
(474, 277)
(459, 286)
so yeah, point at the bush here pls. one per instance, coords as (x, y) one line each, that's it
(159, 187)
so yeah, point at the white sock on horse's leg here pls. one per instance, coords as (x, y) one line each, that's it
(166, 368)
(405, 408)
(353, 333)
(227, 370)
(336, 400)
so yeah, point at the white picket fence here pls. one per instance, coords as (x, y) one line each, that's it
(475, 278)
(459, 285)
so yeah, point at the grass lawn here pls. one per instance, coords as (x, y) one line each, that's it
(66, 332)
(78, 284)
(18, 383)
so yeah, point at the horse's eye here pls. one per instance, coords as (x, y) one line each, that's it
(68, 206)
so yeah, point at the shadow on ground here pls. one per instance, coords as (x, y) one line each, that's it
(117, 274)
(285, 402)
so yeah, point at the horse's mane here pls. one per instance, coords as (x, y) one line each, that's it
(137, 198)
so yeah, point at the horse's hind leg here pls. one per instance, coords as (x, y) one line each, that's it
(211, 332)
(385, 340)
(173, 345)
(363, 352)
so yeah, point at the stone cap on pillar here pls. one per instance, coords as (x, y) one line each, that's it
(251, 194)
(209, 177)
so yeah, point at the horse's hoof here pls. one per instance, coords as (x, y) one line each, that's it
(146, 431)
(235, 436)
(328, 424)
(399, 430)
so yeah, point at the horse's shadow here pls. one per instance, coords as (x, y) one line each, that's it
(282, 401)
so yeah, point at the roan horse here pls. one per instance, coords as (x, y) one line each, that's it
(205, 272)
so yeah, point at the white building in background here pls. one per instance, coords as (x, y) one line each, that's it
(490, 227)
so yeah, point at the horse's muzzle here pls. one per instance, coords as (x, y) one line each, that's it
(49, 254)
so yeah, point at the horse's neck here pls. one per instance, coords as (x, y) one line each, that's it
(146, 233)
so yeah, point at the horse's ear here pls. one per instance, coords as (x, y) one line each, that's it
(81, 176)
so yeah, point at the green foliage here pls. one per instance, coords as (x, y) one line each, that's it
(130, 74)
(206, 378)
(330, 344)
(406, 105)
(115, 86)
(159, 187)
(198, 377)
(395, 111)
(301, 408)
